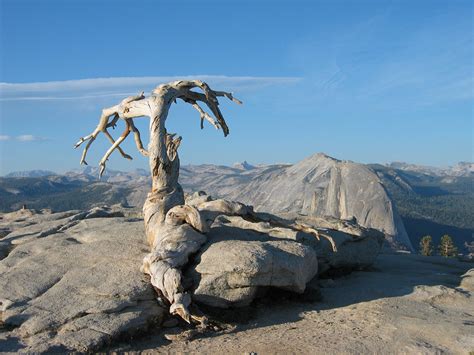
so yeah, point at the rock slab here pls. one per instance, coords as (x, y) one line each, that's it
(77, 288)
(70, 281)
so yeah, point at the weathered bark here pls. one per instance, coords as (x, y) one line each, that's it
(173, 231)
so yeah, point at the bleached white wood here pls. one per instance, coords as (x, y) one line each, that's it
(174, 231)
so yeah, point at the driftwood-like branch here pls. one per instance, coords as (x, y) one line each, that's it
(229, 96)
(174, 231)
(205, 116)
(111, 139)
(212, 209)
(104, 124)
(114, 146)
(138, 106)
(138, 139)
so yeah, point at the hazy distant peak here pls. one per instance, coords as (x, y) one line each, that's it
(460, 169)
(92, 171)
(243, 166)
(31, 173)
(87, 170)
(142, 172)
(463, 168)
(407, 166)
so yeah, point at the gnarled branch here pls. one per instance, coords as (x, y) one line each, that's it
(174, 231)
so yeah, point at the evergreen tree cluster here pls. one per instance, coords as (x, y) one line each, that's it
(445, 248)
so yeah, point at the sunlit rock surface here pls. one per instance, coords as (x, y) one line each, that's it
(71, 281)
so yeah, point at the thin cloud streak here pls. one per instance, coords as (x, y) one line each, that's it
(106, 87)
(30, 138)
(23, 138)
(79, 97)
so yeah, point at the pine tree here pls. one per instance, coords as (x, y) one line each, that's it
(446, 247)
(426, 245)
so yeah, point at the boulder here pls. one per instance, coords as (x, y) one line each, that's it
(241, 257)
(357, 247)
(231, 272)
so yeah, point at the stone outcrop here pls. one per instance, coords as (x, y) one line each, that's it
(241, 257)
(407, 303)
(467, 282)
(69, 281)
(357, 246)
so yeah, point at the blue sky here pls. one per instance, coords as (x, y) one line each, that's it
(369, 81)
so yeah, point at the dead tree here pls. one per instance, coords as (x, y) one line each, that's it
(173, 230)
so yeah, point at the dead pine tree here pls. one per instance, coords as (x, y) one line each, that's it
(173, 230)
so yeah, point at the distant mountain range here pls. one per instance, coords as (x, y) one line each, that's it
(398, 198)
(31, 173)
(461, 169)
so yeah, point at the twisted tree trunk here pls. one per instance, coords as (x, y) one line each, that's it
(173, 230)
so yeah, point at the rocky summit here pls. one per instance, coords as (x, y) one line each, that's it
(71, 281)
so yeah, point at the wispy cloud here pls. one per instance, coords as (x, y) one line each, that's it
(23, 138)
(120, 86)
(429, 63)
(30, 138)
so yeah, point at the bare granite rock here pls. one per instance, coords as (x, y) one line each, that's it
(242, 257)
(237, 261)
(357, 246)
(467, 282)
(406, 304)
(231, 272)
(77, 287)
(71, 281)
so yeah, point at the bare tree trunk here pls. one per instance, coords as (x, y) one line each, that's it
(173, 230)
(164, 167)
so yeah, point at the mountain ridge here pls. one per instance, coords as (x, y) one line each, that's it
(460, 169)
